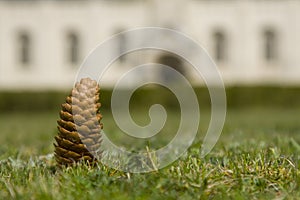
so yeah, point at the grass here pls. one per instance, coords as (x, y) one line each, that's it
(257, 157)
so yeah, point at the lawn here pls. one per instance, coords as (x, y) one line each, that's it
(257, 157)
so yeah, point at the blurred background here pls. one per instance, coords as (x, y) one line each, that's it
(255, 44)
(43, 43)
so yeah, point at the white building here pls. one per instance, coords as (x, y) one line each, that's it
(43, 42)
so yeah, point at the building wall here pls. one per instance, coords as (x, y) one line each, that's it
(242, 22)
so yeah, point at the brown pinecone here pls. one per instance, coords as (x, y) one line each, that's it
(79, 129)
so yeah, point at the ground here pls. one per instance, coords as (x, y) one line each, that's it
(257, 157)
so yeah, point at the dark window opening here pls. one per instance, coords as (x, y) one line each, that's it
(24, 48)
(73, 48)
(220, 46)
(172, 61)
(121, 46)
(270, 45)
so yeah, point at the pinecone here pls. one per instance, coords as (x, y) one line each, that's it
(79, 129)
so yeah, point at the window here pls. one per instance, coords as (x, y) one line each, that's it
(173, 61)
(270, 45)
(24, 51)
(73, 48)
(220, 46)
(121, 45)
